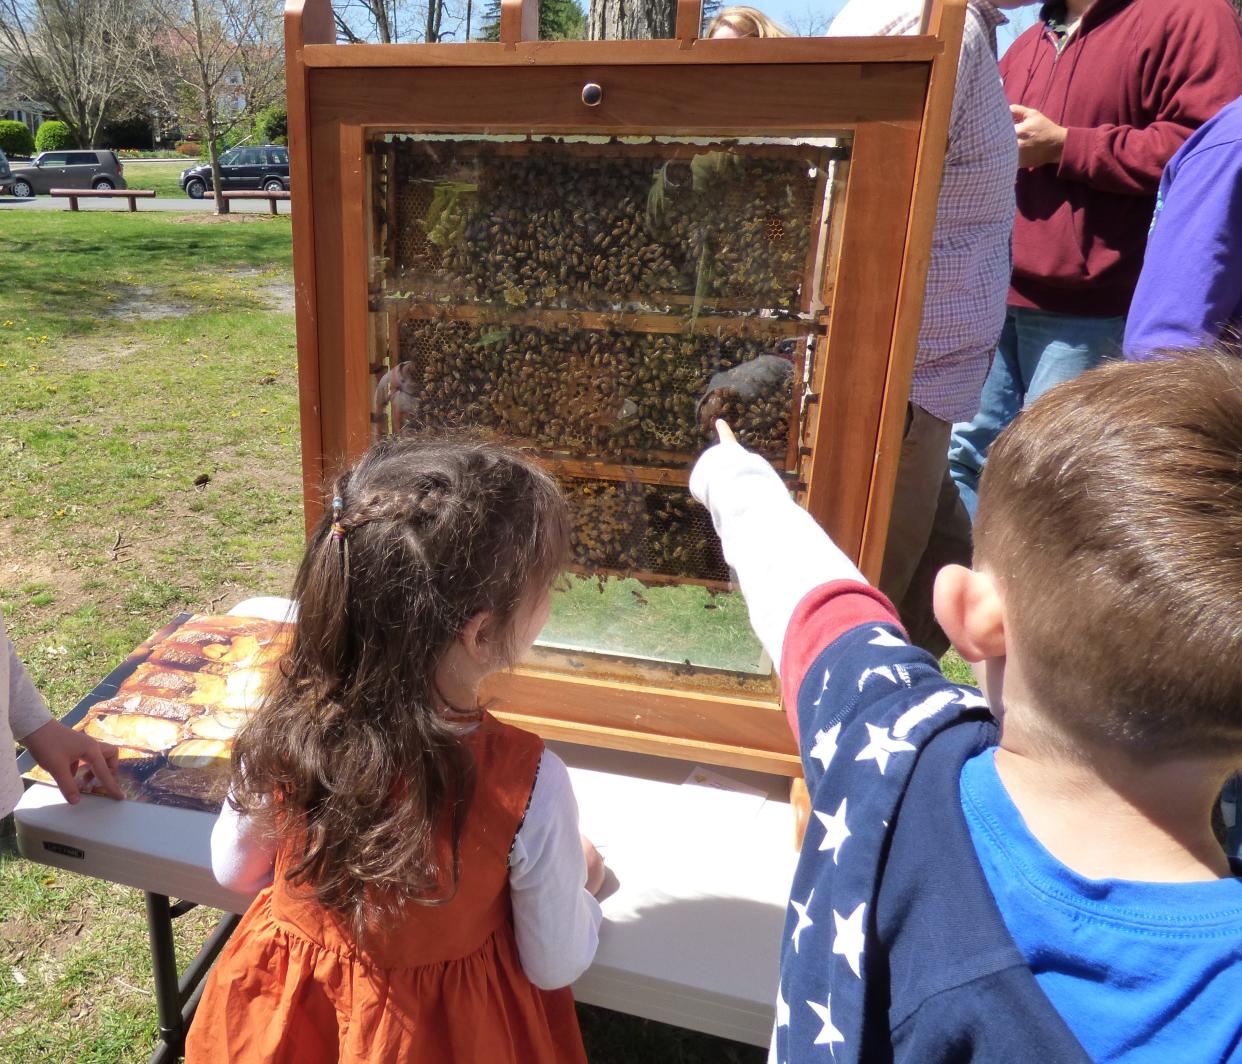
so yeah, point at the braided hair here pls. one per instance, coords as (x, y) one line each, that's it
(352, 763)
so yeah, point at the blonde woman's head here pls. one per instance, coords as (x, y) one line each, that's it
(745, 22)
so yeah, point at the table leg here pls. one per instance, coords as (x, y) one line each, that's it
(164, 962)
(177, 998)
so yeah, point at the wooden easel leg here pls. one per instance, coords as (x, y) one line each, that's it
(800, 803)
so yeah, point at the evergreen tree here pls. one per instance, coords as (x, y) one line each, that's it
(559, 20)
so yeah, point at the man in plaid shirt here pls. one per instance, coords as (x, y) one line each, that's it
(963, 308)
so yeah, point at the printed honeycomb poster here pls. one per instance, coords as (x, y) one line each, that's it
(172, 708)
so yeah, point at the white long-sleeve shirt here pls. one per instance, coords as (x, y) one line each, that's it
(555, 920)
(22, 712)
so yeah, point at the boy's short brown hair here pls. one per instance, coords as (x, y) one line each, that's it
(1110, 514)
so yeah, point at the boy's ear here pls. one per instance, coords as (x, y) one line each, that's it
(476, 637)
(968, 606)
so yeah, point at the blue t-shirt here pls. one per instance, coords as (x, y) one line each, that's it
(1143, 973)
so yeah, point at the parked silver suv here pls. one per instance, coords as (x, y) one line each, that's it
(97, 168)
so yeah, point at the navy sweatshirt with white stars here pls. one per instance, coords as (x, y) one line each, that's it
(894, 948)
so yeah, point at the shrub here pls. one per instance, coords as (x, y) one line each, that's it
(232, 138)
(192, 148)
(271, 126)
(53, 136)
(15, 138)
(144, 153)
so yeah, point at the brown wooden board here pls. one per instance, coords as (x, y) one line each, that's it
(885, 100)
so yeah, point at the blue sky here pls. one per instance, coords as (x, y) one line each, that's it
(803, 16)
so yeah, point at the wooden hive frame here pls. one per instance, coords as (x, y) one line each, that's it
(892, 96)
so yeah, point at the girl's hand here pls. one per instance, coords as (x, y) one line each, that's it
(594, 865)
(61, 750)
(724, 432)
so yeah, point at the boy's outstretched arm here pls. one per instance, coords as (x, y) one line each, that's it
(773, 545)
(787, 566)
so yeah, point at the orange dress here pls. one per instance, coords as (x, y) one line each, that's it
(443, 986)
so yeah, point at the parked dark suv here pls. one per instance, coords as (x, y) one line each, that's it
(265, 167)
(6, 175)
(97, 168)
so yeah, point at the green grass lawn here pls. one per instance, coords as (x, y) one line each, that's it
(159, 177)
(138, 352)
(132, 351)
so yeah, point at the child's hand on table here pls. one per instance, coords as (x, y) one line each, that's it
(61, 750)
(594, 866)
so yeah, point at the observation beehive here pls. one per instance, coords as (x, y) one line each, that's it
(592, 249)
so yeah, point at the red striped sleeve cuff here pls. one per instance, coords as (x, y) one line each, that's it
(823, 616)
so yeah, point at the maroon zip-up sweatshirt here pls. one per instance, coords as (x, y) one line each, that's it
(1133, 82)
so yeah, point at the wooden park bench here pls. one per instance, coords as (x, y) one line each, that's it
(272, 197)
(131, 194)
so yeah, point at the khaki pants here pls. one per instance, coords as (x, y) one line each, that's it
(929, 528)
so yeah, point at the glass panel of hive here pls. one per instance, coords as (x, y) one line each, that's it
(601, 302)
(608, 394)
(591, 223)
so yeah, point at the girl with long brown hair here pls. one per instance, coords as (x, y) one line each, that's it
(427, 888)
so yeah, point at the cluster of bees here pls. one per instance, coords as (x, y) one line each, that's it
(558, 228)
(554, 229)
(624, 526)
(613, 394)
(760, 424)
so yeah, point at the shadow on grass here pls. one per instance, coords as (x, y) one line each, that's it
(615, 1038)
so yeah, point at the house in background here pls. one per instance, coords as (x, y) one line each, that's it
(30, 112)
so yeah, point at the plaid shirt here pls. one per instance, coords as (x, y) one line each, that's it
(968, 277)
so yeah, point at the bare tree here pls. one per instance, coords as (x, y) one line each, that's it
(628, 19)
(214, 64)
(388, 21)
(359, 21)
(811, 21)
(435, 19)
(73, 54)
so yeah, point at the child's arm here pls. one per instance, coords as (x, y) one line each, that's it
(773, 545)
(845, 664)
(786, 565)
(555, 918)
(27, 710)
(58, 749)
(243, 858)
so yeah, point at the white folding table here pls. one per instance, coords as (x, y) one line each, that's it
(699, 878)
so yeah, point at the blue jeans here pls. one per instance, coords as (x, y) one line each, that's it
(1037, 350)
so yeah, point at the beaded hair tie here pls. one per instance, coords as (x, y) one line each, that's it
(338, 530)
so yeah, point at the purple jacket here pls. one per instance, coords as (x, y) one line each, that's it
(1190, 290)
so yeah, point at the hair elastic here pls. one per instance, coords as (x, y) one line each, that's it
(338, 529)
